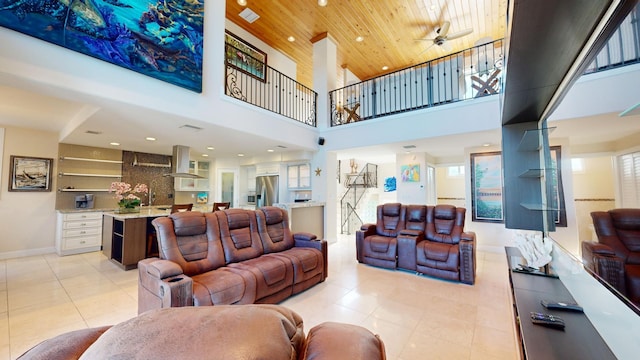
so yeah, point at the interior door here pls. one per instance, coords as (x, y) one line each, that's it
(227, 186)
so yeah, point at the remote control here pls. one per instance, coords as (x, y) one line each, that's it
(561, 305)
(547, 320)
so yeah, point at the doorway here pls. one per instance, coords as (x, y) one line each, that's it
(227, 186)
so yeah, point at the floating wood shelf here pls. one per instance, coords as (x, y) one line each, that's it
(92, 160)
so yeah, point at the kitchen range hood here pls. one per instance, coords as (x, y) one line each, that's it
(180, 163)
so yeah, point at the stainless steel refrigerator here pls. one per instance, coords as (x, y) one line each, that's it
(266, 190)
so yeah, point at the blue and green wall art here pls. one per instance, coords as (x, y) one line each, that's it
(158, 38)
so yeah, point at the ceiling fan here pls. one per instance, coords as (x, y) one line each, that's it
(443, 36)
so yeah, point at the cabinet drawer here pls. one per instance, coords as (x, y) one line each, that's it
(83, 216)
(83, 241)
(81, 224)
(82, 232)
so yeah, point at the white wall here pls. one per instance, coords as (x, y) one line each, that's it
(27, 219)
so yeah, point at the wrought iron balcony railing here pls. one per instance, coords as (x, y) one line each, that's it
(268, 88)
(464, 75)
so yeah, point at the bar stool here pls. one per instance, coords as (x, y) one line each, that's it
(219, 206)
(152, 239)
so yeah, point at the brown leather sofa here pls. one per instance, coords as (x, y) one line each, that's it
(426, 239)
(615, 257)
(229, 257)
(214, 332)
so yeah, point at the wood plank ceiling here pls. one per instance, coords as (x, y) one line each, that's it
(390, 29)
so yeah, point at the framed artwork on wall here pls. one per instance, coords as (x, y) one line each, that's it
(410, 173)
(486, 187)
(30, 173)
(163, 40)
(245, 57)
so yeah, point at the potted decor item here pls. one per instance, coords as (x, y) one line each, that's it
(128, 200)
(535, 248)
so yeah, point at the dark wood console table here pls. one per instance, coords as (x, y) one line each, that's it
(579, 340)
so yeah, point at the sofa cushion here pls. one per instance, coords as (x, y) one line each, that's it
(273, 227)
(390, 219)
(189, 223)
(66, 346)
(272, 274)
(437, 255)
(223, 287)
(222, 332)
(335, 341)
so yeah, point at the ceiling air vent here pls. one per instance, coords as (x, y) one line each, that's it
(93, 132)
(409, 147)
(249, 15)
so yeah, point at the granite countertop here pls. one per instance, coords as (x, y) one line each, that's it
(299, 204)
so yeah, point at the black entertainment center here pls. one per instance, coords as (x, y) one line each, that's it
(578, 340)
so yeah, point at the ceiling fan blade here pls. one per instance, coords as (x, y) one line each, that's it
(446, 47)
(423, 39)
(444, 29)
(425, 50)
(459, 34)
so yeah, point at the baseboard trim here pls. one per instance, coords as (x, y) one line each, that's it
(25, 253)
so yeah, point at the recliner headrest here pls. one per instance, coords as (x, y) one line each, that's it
(625, 219)
(189, 223)
(392, 209)
(416, 213)
(237, 218)
(447, 212)
(272, 215)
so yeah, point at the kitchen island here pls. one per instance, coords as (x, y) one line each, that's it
(125, 236)
(305, 217)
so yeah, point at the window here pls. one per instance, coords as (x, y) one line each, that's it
(629, 177)
(455, 171)
(577, 165)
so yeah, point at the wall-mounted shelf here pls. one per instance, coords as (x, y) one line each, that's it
(83, 190)
(531, 139)
(533, 173)
(91, 175)
(537, 207)
(92, 160)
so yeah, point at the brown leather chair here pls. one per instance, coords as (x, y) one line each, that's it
(434, 243)
(181, 207)
(219, 206)
(152, 238)
(615, 257)
(376, 244)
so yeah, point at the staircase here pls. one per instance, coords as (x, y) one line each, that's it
(357, 185)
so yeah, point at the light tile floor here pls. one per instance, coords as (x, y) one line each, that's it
(417, 317)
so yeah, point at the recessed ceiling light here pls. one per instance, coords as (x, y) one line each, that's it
(114, 143)
(291, 39)
(322, 2)
(385, 68)
(270, 150)
(242, 2)
(210, 148)
(359, 39)
(241, 155)
(486, 144)
(205, 155)
(149, 138)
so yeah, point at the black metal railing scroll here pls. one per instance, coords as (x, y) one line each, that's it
(268, 89)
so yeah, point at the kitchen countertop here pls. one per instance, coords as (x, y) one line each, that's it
(299, 204)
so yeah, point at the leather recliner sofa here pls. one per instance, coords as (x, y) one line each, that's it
(229, 257)
(426, 239)
(615, 257)
(214, 332)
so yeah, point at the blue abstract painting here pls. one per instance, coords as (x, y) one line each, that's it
(158, 38)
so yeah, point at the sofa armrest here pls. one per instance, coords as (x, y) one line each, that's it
(602, 260)
(365, 230)
(468, 236)
(316, 244)
(304, 236)
(162, 284)
(410, 232)
(337, 341)
(467, 251)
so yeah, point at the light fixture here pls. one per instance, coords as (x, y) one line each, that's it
(114, 143)
(385, 68)
(486, 144)
(322, 2)
(149, 138)
(270, 150)
(210, 148)
(291, 39)
(359, 39)
(205, 155)
(242, 2)
(240, 155)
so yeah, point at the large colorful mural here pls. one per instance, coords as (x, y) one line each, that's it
(158, 38)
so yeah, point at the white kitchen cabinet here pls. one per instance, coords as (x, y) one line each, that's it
(299, 176)
(200, 168)
(78, 232)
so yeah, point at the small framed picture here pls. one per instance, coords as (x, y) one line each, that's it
(30, 173)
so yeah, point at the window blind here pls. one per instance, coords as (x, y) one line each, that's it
(629, 175)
